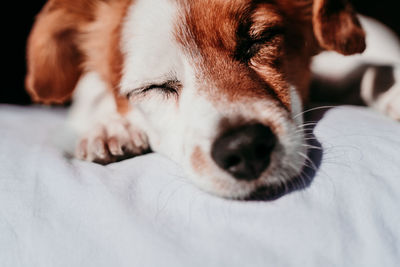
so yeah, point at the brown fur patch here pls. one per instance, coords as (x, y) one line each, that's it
(210, 36)
(199, 160)
(71, 37)
(54, 59)
(222, 31)
(337, 28)
(278, 37)
(100, 40)
(101, 43)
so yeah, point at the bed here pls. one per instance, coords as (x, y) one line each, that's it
(59, 211)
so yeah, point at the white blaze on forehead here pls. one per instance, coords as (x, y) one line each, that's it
(148, 43)
(152, 56)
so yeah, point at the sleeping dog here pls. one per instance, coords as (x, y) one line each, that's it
(217, 86)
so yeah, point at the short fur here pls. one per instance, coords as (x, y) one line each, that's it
(175, 74)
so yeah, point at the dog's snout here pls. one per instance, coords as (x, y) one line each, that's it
(244, 152)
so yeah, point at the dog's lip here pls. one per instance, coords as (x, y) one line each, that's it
(299, 182)
(267, 193)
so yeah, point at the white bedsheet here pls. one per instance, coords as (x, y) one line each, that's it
(56, 211)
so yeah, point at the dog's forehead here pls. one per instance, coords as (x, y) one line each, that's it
(216, 29)
(156, 32)
(150, 37)
(216, 23)
(151, 53)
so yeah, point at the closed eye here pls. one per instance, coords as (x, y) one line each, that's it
(247, 48)
(169, 88)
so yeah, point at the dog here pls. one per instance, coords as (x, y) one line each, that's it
(217, 86)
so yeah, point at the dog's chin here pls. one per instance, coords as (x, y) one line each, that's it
(287, 164)
(287, 160)
(262, 190)
(267, 193)
(275, 182)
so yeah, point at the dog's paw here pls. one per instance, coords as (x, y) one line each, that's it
(111, 141)
(380, 89)
(390, 103)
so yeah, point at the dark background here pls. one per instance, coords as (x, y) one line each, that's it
(18, 17)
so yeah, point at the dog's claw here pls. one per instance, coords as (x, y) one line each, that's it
(110, 142)
(115, 147)
(81, 149)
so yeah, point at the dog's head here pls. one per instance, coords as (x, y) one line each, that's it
(218, 85)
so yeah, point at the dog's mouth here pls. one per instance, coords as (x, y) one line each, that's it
(267, 193)
(276, 191)
(254, 162)
(298, 182)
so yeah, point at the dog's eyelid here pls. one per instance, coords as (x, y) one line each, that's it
(170, 86)
(266, 34)
(254, 41)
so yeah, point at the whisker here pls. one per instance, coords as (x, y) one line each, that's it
(283, 181)
(309, 131)
(307, 124)
(312, 109)
(307, 177)
(312, 147)
(307, 158)
(313, 167)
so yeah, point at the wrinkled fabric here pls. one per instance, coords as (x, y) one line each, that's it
(59, 211)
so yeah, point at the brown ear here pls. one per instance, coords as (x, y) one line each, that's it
(337, 28)
(54, 61)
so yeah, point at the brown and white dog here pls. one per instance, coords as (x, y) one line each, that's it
(215, 85)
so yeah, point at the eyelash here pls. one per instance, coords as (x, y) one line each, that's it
(170, 88)
(163, 88)
(251, 46)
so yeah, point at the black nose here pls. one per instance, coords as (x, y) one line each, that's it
(244, 152)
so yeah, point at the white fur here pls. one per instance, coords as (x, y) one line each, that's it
(148, 29)
(104, 135)
(92, 102)
(175, 128)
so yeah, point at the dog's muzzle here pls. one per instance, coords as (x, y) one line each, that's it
(244, 152)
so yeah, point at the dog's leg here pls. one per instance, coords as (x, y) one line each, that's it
(380, 89)
(379, 66)
(104, 135)
(380, 86)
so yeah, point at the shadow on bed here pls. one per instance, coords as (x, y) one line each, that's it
(304, 180)
(327, 94)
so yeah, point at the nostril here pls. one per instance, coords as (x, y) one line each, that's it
(232, 161)
(244, 152)
(261, 151)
